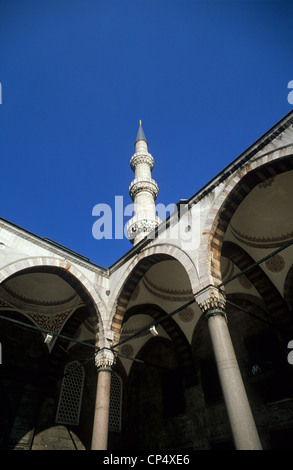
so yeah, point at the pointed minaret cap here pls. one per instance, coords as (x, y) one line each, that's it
(140, 134)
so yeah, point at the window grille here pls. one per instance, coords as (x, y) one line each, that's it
(115, 403)
(69, 405)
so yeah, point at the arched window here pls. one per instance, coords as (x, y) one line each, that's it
(115, 403)
(69, 405)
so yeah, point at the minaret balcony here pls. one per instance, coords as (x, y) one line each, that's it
(143, 184)
(138, 228)
(141, 157)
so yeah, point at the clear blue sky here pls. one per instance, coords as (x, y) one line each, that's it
(207, 78)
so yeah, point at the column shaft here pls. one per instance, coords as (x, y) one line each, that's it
(242, 422)
(101, 417)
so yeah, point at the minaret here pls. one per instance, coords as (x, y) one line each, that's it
(143, 191)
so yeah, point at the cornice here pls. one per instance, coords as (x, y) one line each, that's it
(52, 247)
(174, 295)
(31, 301)
(261, 242)
(15, 301)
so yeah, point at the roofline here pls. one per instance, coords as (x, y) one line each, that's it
(62, 249)
(272, 133)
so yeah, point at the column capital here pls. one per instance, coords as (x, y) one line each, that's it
(211, 301)
(105, 359)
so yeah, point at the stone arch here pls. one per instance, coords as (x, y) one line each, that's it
(134, 273)
(64, 269)
(49, 365)
(226, 204)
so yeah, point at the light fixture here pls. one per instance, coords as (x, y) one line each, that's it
(48, 338)
(153, 330)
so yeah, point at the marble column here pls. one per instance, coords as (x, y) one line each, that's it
(245, 435)
(104, 361)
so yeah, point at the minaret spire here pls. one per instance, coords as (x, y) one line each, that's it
(143, 191)
(140, 134)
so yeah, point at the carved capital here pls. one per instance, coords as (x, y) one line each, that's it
(105, 359)
(211, 299)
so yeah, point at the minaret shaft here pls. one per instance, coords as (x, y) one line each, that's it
(143, 191)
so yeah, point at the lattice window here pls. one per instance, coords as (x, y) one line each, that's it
(115, 403)
(69, 405)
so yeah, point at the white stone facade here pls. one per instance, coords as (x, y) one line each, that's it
(177, 263)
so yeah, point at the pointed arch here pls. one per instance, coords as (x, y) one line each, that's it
(134, 273)
(228, 201)
(66, 271)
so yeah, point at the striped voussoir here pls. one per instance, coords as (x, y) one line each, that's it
(224, 214)
(129, 286)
